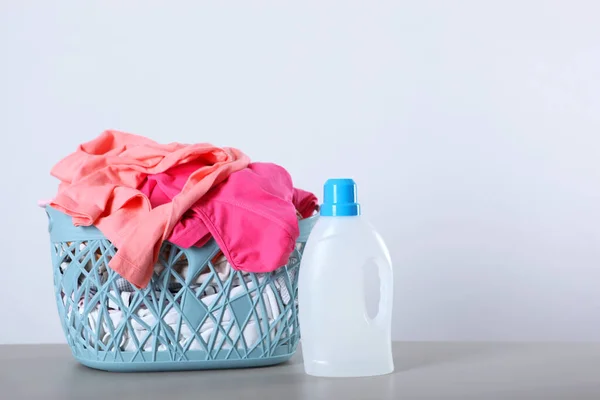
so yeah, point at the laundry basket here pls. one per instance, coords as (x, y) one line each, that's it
(191, 315)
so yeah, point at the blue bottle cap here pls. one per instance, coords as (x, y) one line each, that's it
(339, 198)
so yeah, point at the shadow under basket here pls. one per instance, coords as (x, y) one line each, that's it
(196, 313)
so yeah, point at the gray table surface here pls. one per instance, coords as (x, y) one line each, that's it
(423, 371)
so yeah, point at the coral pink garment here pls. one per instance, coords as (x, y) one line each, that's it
(99, 187)
(252, 215)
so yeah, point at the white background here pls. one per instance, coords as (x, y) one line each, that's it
(472, 128)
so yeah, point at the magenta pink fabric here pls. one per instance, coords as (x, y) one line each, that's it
(251, 215)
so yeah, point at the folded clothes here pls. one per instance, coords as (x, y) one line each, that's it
(99, 186)
(252, 215)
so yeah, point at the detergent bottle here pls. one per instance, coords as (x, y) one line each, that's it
(339, 338)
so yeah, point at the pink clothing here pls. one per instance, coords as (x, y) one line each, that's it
(306, 203)
(99, 187)
(252, 215)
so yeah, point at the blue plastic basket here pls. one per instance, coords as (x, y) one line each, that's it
(248, 320)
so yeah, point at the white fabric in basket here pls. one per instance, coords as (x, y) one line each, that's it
(251, 333)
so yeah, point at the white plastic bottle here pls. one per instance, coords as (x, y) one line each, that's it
(339, 338)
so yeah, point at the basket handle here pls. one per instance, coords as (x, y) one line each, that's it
(61, 228)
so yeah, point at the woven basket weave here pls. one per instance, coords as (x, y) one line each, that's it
(241, 320)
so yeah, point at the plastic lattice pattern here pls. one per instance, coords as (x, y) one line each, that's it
(191, 315)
